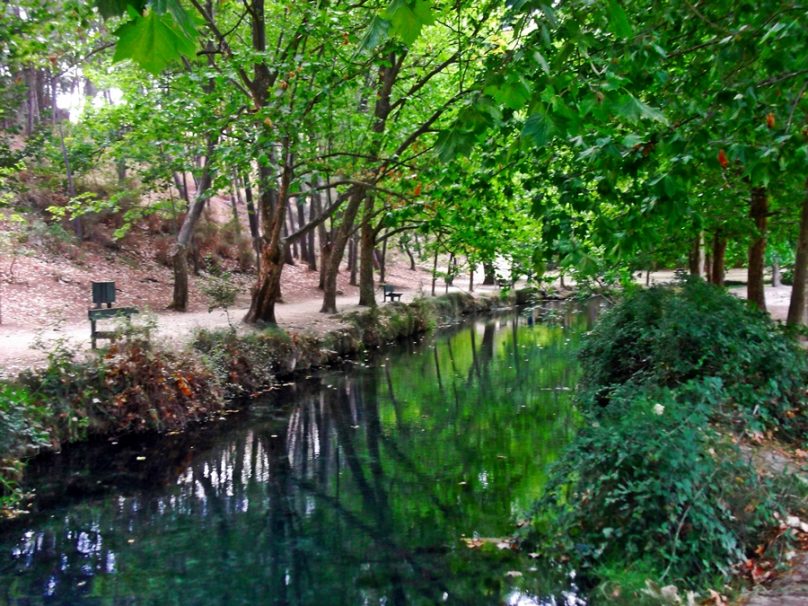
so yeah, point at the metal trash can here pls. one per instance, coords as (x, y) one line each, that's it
(103, 292)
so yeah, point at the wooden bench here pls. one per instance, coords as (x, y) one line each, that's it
(390, 293)
(101, 313)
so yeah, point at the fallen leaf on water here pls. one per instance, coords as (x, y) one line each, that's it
(477, 542)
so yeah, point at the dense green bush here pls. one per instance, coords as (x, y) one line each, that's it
(655, 481)
(668, 336)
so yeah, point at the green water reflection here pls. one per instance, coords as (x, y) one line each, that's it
(357, 490)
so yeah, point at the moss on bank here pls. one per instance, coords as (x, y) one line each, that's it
(136, 386)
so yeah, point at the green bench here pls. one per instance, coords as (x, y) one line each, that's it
(390, 293)
(102, 313)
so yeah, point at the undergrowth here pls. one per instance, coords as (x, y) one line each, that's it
(655, 486)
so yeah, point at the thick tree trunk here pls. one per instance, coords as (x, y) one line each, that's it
(797, 307)
(367, 241)
(490, 274)
(719, 248)
(758, 212)
(179, 300)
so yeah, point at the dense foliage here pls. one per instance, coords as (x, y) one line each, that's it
(655, 481)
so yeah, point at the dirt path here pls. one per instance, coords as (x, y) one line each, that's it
(18, 347)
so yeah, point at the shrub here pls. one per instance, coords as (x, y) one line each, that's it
(655, 482)
(668, 336)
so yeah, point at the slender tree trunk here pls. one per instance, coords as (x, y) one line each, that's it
(288, 248)
(434, 270)
(719, 248)
(179, 300)
(777, 276)
(341, 236)
(367, 241)
(799, 288)
(310, 238)
(383, 262)
(471, 276)
(252, 219)
(353, 252)
(708, 267)
(235, 200)
(301, 219)
(409, 254)
(758, 212)
(694, 259)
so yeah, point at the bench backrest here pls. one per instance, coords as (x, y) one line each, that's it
(388, 288)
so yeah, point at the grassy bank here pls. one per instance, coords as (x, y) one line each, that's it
(137, 386)
(656, 486)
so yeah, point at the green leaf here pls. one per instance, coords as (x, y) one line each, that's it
(537, 129)
(153, 42)
(377, 33)
(116, 8)
(408, 17)
(452, 143)
(618, 21)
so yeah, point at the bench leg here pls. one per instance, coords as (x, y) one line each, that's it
(92, 334)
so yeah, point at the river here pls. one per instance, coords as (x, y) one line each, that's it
(393, 480)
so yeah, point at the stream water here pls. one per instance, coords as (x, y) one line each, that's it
(355, 486)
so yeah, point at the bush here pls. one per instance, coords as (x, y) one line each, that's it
(655, 482)
(668, 336)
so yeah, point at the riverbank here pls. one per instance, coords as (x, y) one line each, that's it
(139, 385)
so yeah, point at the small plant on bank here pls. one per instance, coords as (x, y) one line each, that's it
(221, 291)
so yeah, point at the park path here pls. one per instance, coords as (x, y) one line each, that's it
(18, 349)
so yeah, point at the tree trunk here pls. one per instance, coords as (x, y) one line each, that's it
(367, 241)
(252, 218)
(758, 212)
(267, 291)
(301, 219)
(383, 262)
(797, 307)
(490, 274)
(409, 254)
(434, 270)
(694, 259)
(338, 249)
(179, 300)
(708, 266)
(719, 248)
(354, 246)
(777, 276)
(471, 276)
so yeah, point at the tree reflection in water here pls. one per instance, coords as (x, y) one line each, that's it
(358, 492)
